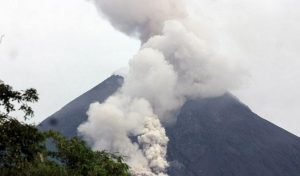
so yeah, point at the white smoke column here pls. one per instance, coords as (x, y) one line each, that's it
(111, 124)
(154, 143)
(176, 62)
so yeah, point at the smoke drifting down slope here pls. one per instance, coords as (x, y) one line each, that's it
(173, 64)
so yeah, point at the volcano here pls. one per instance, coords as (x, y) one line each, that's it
(217, 136)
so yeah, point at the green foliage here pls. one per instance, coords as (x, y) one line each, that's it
(23, 150)
(9, 98)
(20, 143)
(47, 168)
(79, 159)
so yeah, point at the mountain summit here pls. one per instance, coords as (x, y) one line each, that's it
(212, 137)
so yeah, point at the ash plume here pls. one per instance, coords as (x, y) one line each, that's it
(175, 63)
(154, 144)
(141, 18)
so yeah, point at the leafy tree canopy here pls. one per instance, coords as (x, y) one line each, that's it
(23, 148)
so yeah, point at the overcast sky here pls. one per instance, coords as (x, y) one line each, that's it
(64, 47)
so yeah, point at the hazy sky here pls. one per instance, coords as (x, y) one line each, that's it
(64, 47)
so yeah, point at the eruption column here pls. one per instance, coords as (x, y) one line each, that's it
(176, 62)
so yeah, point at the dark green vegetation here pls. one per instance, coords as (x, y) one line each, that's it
(23, 148)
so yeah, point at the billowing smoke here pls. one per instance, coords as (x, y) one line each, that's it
(142, 18)
(111, 124)
(175, 63)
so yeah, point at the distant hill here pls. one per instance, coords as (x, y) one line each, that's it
(212, 137)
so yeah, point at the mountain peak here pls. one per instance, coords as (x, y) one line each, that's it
(217, 136)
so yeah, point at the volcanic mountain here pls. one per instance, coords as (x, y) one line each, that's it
(212, 137)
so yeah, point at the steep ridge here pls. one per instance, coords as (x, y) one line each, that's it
(211, 137)
(67, 119)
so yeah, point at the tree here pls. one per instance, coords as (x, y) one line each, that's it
(9, 98)
(23, 148)
(79, 159)
(19, 143)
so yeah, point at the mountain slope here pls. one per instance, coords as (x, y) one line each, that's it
(222, 137)
(212, 137)
(67, 119)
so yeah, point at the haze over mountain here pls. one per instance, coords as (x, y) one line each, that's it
(212, 136)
